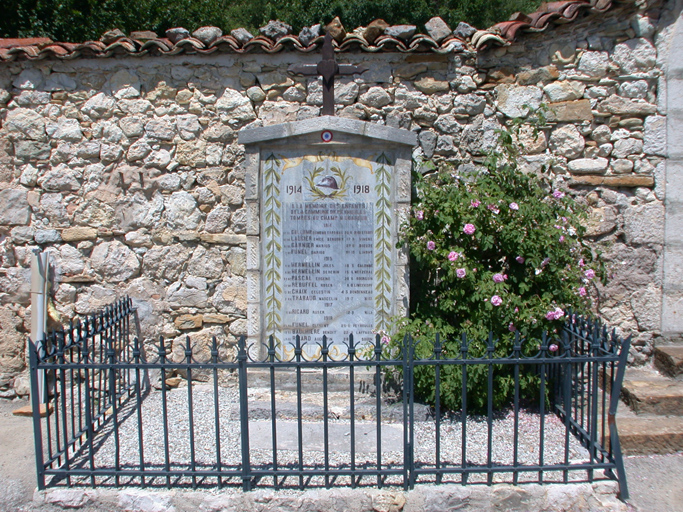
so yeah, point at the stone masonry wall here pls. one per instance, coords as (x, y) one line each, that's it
(128, 172)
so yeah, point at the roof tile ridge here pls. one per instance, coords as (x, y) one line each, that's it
(13, 42)
(499, 34)
(158, 43)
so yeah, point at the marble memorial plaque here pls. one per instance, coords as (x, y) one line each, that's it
(327, 247)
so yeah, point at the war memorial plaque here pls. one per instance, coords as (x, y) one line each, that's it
(329, 247)
(324, 204)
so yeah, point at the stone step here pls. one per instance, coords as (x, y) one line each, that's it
(338, 405)
(312, 380)
(648, 392)
(648, 435)
(364, 411)
(669, 360)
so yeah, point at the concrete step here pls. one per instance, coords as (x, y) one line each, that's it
(648, 435)
(646, 391)
(669, 360)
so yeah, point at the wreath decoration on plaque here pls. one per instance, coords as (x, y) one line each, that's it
(332, 186)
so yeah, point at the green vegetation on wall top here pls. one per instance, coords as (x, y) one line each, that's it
(81, 20)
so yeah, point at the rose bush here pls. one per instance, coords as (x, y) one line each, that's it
(500, 252)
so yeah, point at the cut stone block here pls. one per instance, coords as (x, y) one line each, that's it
(648, 392)
(647, 435)
(669, 360)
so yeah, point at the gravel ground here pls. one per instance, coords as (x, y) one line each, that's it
(654, 481)
(204, 434)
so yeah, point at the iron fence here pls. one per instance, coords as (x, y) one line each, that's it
(80, 376)
(116, 417)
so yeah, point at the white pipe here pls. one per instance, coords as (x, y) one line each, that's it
(39, 307)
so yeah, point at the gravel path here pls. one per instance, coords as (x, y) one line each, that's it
(177, 439)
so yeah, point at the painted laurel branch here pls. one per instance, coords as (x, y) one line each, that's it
(383, 244)
(272, 231)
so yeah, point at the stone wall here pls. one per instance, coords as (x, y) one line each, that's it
(128, 172)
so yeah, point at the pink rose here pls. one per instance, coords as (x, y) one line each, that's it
(553, 348)
(474, 203)
(452, 256)
(519, 259)
(514, 206)
(511, 327)
(460, 272)
(469, 229)
(561, 238)
(554, 315)
(582, 291)
(419, 215)
(431, 245)
(590, 273)
(581, 263)
(558, 194)
(496, 300)
(498, 278)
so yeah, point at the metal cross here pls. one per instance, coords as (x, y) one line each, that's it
(328, 69)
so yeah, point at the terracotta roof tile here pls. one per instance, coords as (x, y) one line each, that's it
(508, 29)
(142, 43)
(25, 41)
(601, 5)
(56, 50)
(552, 12)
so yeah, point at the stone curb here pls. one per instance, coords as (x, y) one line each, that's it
(424, 498)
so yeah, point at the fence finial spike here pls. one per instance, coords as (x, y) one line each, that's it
(464, 345)
(214, 349)
(378, 346)
(297, 347)
(351, 348)
(188, 349)
(271, 348)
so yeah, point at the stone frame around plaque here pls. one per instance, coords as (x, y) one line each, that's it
(347, 139)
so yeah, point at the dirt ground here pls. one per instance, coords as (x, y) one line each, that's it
(17, 462)
(655, 482)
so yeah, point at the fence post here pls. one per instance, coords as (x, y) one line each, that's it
(110, 354)
(38, 308)
(244, 412)
(35, 405)
(409, 398)
(611, 419)
(406, 420)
